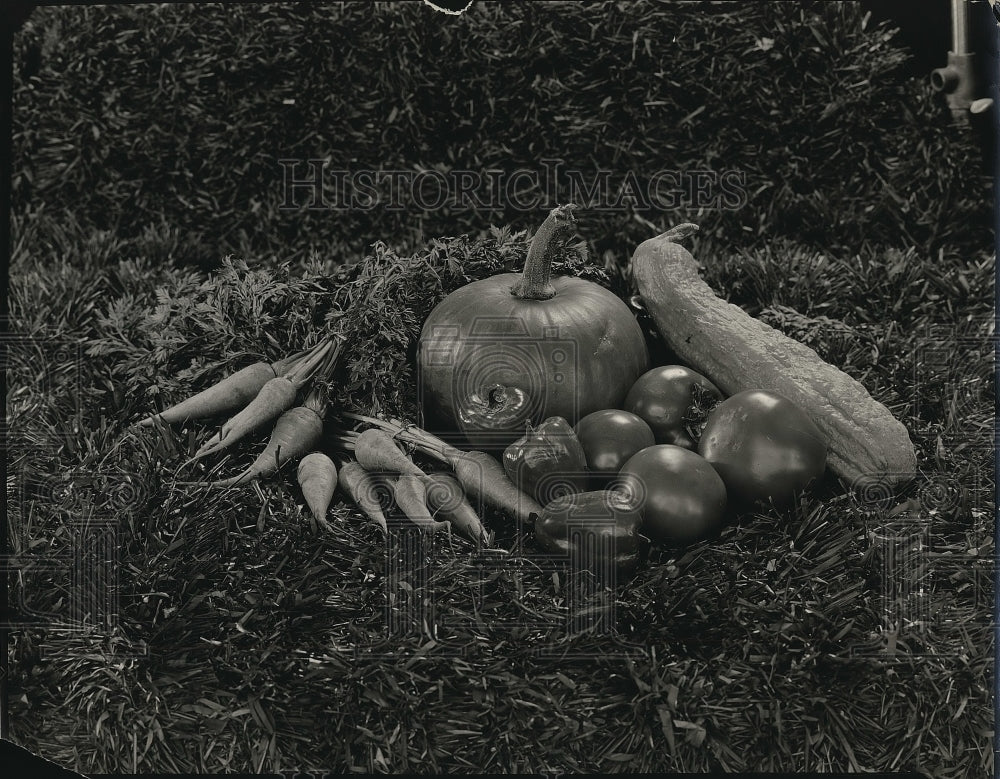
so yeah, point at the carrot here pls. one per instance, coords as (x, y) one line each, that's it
(296, 432)
(485, 479)
(234, 391)
(361, 487)
(317, 476)
(275, 397)
(230, 394)
(445, 497)
(411, 497)
(376, 451)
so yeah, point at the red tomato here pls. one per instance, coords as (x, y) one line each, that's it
(765, 447)
(683, 498)
(663, 396)
(609, 437)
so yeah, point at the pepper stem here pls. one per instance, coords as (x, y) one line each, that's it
(534, 283)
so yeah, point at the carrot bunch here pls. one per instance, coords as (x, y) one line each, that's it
(480, 475)
(427, 500)
(260, 394)
(263, 393)
(439, 499)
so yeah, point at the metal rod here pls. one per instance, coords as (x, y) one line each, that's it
(959, 27)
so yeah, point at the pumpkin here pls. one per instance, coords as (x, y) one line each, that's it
(521, 347)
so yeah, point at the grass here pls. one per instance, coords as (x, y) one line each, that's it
(220, 633)
(131, 119)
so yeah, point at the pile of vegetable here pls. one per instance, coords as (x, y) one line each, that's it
(537, 399)
(844, 633)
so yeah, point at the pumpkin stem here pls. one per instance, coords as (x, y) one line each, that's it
(534, 283)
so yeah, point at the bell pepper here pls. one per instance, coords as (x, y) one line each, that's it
(547, 461)
(598, 530)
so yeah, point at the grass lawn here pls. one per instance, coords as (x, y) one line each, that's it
(168, 627)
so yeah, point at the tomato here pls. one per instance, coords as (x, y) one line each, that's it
(683, 498)
(664, 396)
(609, 437)
(764, 446)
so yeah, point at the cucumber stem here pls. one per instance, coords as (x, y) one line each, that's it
(678, 233)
